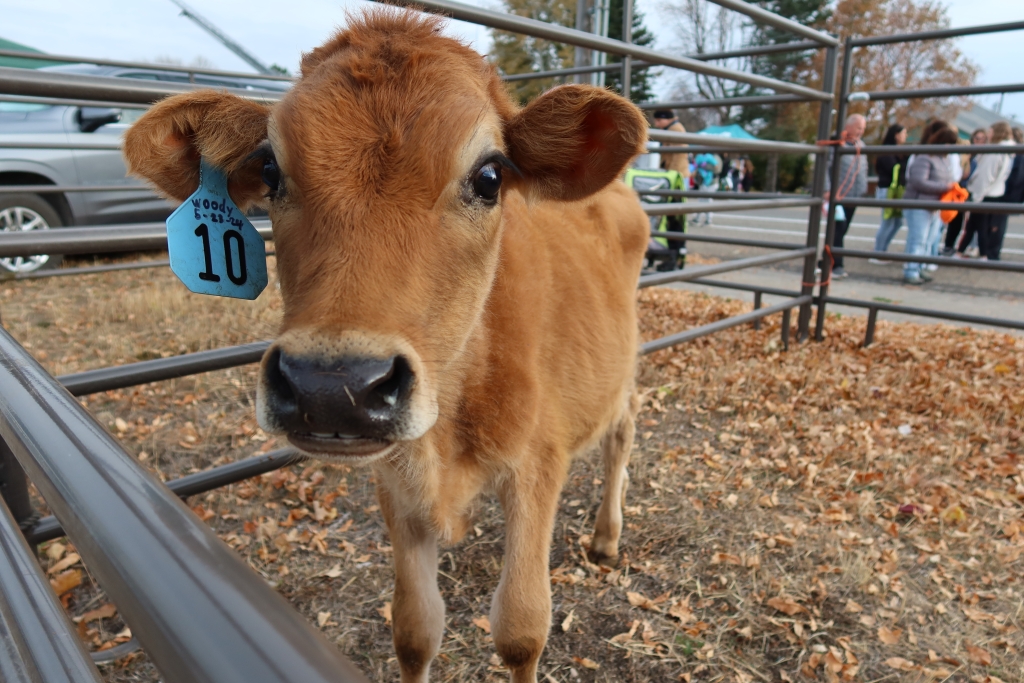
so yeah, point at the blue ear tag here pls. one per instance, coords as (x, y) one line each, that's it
(214, 248)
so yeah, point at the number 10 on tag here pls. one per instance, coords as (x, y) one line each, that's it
(214, 249)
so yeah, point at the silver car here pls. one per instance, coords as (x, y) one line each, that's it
(71, 125)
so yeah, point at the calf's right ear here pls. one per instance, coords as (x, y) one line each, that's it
(166, 144)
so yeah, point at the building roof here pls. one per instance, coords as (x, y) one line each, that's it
(974, 116)
(23, 62)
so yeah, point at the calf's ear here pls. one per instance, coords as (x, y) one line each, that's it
(166, 144)
(573, 140)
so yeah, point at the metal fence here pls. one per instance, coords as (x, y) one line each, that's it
(197, 610)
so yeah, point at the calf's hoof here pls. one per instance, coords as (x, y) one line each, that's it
(602, 558)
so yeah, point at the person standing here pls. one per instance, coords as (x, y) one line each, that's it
(927, 178)
(892, 182)
(853, 182)
(967, 164)
(665, 119)
(988, 184)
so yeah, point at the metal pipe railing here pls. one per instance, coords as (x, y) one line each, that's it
(37, 83)
(60, 189)
(724, 102)
(718, 326)
(572, 71)
(38, 643)
(144, 65)
(758, 50)
(928, 313)
(678, 208)
(95, 240)
(763, 16)
(159, 369)
(723, 194)
(715, 239)
(570, 36)
(48, 528)
(935, 92)
(201, 614)
(939, 34)
(970, 264)
(935, 205)
(50, 101)
(734, 143)
(688, 274)
(932, 149)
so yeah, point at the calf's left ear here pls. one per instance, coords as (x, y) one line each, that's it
(573, 140)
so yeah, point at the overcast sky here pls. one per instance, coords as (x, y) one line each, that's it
(278, 32)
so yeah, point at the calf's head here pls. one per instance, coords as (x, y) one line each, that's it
(384, 170)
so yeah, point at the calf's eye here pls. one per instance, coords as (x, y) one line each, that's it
(271, 175)
(487, 181)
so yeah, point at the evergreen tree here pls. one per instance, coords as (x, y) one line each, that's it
(640, 87)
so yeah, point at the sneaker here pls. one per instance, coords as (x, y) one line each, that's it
(913, 280)
(958, 254)
(931, 267)
(878, 261)
(839, 274)
(926, 276)
(947, 251)
(972, 253)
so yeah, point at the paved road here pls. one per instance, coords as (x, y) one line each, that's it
(985, 293)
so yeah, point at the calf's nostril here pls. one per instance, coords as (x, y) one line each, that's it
(385, 392)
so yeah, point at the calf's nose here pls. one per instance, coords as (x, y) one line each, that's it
(352, 396)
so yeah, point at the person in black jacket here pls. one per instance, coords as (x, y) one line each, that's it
(887, 166)
(1014, 194)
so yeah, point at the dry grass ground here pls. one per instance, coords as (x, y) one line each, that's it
(827, 513)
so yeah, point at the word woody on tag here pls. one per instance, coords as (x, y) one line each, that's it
(214, 249)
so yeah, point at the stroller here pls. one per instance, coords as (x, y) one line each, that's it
(661, 254)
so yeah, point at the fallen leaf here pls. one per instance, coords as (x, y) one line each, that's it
(725, 558)
(55, 551)
(483, 623)
(978, 655)
(853, 607)
(901, 664)
(889, 636)
(72, 558)
(586, 663)
(567, 622)
(625, 637)
(640, 600)
(66, 581)
(786, 605)
(681, 611)
(321, 618)
(332, 573)
(385, 612)
(102, 612)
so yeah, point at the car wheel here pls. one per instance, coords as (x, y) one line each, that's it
(20, 212)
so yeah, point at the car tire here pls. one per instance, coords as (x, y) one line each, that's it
(24, 211)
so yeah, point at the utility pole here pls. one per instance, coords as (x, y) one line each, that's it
(204, 24)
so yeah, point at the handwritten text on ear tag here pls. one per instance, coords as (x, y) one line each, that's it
(214, 249)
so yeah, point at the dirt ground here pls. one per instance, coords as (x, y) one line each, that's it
(827, 513)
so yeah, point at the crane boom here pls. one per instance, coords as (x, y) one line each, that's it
(204, 24)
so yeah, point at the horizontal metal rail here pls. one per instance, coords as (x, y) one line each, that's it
(974, 264)
(758, 50)
(48, 528)
(688, 274)
(199, 611)
(95, 240)
(736, 143)
(940, 34)
(712, 328)
(935, 92)
(570, 36)
(144, 65)
(60, 189)
(724, 102)
(723, 194)
(30, 144)
(926, 312)
(932, 149)
(88, 270)
(698, 149)
(714, 239)
(38, 643)
(763, 16)
(572, 71)
(56, 84)
(159, 369)
(51, 101)
(679, 208)
(745, 287)
(934, 205)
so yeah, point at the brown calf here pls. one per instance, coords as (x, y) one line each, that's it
(458, 278)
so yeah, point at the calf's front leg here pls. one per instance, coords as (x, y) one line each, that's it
(521, 610)
(417, 608)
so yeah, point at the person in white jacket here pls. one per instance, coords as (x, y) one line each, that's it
(988, 184)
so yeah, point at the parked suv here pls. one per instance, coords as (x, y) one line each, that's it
(72, 125)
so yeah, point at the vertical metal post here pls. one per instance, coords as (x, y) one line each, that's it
(757, 305)
(869, 336)
(810, 272)
(582, 55)
(830, 226)
(627, 37)
(14, 489)
(786, 321)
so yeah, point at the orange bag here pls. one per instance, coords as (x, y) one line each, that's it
(958, 195)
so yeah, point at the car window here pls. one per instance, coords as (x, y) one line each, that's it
(22, 107)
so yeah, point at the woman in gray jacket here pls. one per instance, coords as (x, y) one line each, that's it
(927, 178)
